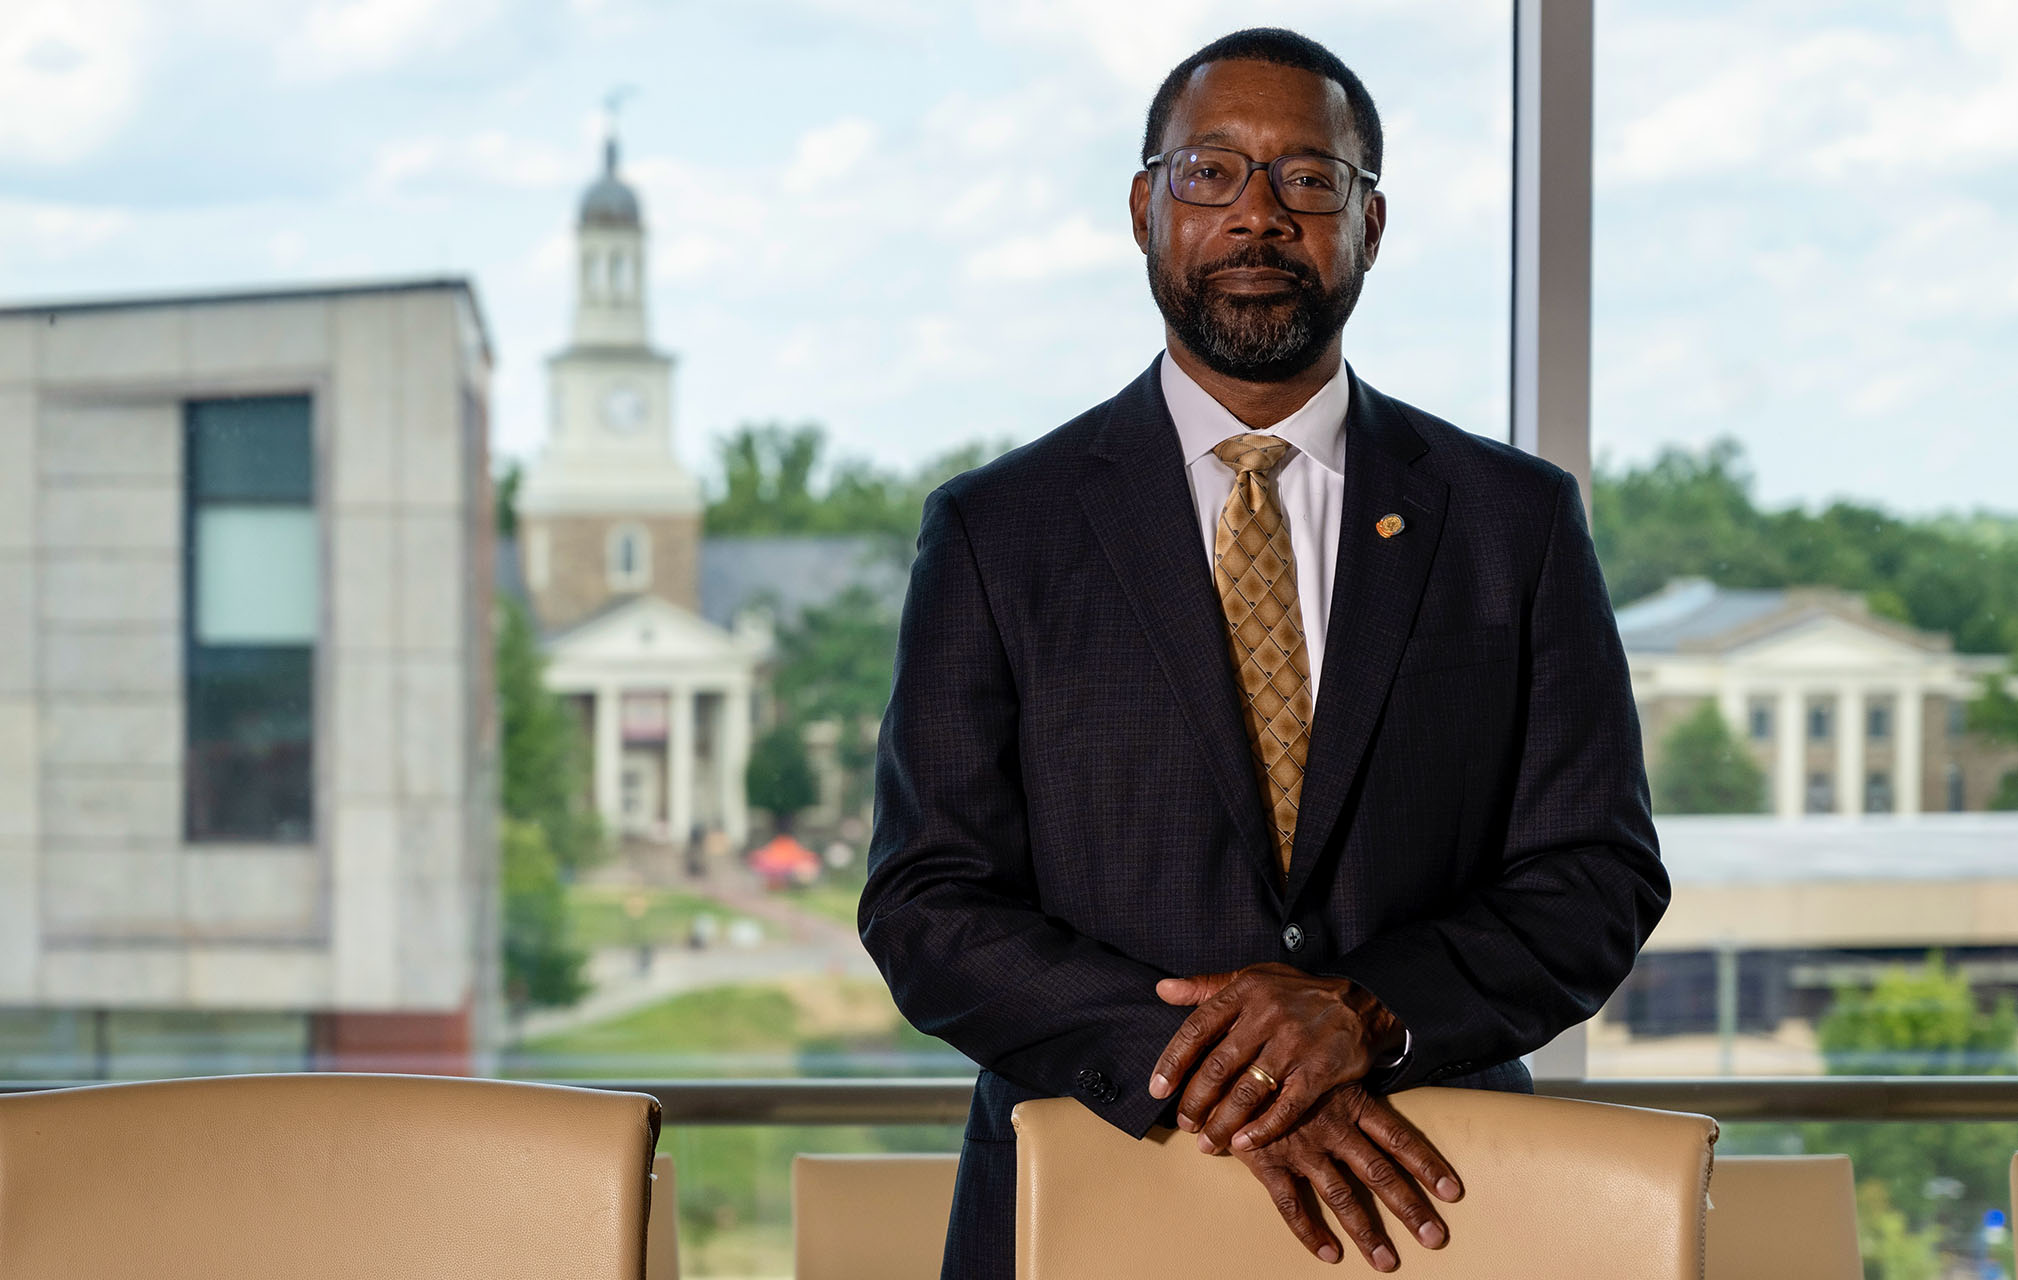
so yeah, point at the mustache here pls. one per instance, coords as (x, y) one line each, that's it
(1262, 257)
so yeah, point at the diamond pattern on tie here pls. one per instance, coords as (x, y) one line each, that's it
(1255, 571)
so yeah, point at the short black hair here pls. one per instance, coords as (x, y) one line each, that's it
(1283, 48)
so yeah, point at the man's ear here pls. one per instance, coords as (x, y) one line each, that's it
(1138, 209)
(1376, 224)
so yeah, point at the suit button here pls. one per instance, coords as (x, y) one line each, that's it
(1096, 1085)
(1292, 937)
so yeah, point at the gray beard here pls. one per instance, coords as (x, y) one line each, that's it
(1255, 339)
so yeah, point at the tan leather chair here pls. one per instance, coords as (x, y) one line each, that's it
(871, 1217)
(662, 1237)
(1783, 1218)
(324, 1177)
(1553, 1188)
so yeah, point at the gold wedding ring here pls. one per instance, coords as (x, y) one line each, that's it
(1263, 1076)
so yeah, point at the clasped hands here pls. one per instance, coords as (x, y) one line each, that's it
(1318, 1129)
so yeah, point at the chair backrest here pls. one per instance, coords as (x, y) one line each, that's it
(1783, 1218)
(662, 1237)
(325, 1177)
(871, 1217)
(1553, 1188)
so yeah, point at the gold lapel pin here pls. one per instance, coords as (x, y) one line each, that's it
(1390, 524)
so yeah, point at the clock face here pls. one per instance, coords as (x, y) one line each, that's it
(624, 408)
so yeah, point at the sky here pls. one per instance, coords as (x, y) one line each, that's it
(906, 219)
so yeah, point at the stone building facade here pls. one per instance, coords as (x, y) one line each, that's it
(1846, 712)
(247, 738)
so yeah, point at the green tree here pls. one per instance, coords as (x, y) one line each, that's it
(835, 663)
(1692, 514)
(1921, 1021)
(2005, 798)
(1891, 1249)
(776, 478)
(544, 769)
(549, 831)
(779, 777)
(1705, 769)
(542, 964)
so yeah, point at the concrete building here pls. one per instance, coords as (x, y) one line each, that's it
(247, 739)
(1846, 712)
(1770, 917)
(610, 532)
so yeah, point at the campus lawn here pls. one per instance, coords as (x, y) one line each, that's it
(734, 1182)
(598, 917)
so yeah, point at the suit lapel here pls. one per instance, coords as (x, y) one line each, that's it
(1141, 511)
(1377, 584)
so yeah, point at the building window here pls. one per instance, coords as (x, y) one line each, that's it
(620, 274)
(1878, 720)
(592, 274)
(630, 558)
(1762, 722)
(1818, 722)
(253, 593)
(1958, 717)
(1821, 793)
(1878, 793)
(1953, 776)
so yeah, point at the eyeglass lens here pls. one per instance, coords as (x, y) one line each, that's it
(1215, 176)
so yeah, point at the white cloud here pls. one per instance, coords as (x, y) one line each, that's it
(342, 37)
(43, 232)
(69, 72)
(829, 152)
(1071, 247)
(490, 158)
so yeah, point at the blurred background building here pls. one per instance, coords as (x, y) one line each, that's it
(247, 747)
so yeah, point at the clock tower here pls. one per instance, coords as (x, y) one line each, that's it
(606, 510)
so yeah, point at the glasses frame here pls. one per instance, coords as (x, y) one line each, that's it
(1268, 166)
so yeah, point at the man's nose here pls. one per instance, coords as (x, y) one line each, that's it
(1258, 212)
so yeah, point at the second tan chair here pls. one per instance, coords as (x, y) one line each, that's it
(1553, 1188)
(662, 1237)
(1783, 1218)
(324, 1177)
(871, 1217)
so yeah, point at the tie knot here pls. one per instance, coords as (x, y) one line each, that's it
(1251, 451)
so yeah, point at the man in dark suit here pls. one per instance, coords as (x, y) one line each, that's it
(1260, 744)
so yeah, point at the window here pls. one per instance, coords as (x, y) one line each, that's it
(1958, 718)
(620, 275)
(253, 594)
(1957, 797)
(1878, 721)
(1818, 722)
(1762, 722)
(1878, 793)
(630, 558)
(1821, 793)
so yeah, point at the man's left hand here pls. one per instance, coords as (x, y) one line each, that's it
(1310, 1033)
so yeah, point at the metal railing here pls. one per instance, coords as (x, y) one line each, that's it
(1926, 1099)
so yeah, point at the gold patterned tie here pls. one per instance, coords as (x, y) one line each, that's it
(1255, 570)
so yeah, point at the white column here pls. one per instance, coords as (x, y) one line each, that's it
(1906, 748)
(1850, 750)
(609, 752)
(732, 749)
(680, 764)
(1790, 729)
(1733, 706)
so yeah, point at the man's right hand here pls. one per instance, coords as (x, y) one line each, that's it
(1351, 1143)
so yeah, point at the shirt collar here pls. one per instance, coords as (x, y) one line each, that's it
(1317, 428)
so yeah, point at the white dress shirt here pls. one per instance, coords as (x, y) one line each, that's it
(1310, 482)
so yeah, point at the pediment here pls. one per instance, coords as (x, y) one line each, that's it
(1830, 642)
(646, 629)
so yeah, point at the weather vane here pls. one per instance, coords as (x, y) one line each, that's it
(613, 102)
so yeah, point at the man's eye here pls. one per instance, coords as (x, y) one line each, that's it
(1205, 172)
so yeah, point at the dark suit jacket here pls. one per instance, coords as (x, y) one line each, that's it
(1066, 810)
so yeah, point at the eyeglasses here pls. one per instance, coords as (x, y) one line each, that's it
(1215, 176)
